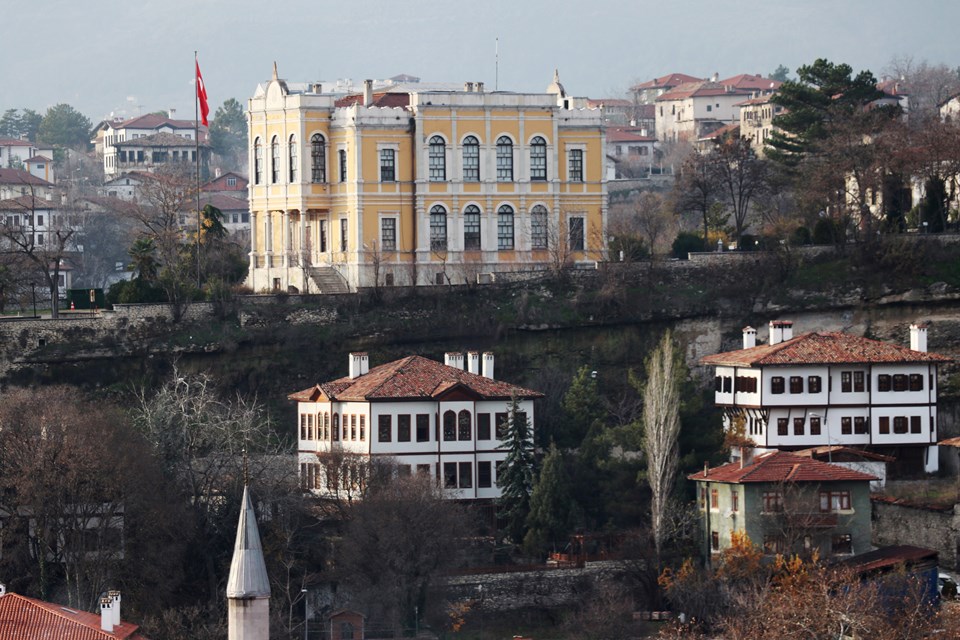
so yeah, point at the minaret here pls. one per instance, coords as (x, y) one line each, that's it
(248, 589)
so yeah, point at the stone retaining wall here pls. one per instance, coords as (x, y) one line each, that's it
(903, 523)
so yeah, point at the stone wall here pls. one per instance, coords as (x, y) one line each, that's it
(897, 522)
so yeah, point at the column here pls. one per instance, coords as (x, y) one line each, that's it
(285, 221)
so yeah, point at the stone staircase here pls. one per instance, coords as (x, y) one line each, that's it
(327, 280)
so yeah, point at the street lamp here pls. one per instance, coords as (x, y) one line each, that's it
(306, 613)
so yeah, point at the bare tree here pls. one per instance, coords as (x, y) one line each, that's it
(743, 177)
(661, 427)
(926, 84)
(697, 188)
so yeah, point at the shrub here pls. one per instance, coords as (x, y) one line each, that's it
(686, 242)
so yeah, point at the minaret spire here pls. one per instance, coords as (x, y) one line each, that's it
(275, 75)
(248, 588)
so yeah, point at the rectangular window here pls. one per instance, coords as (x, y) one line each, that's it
(504, 230)
(814, 425)
(423, 427)
(846, 426)
(860, 425)
(883, 382)
(916, 382)
(471, 231)
(484, 476)
(714, 499)
(343, 165)
(303, 426)
(501, 422)
(385, 428)
(798, 426)
(734, 501)
(343, 234)
(858, 381)
(576, 233)
(772, 501)
(842, 544)
(403, 470)
(466, 475)
(353, 427)
(538, 228)
(796, 384)
(576, 165)
(483, 426)
(846, 385)
(714, 541)
(772, 544)
(782, 426)
(388, 234)
(884, 423)
(915, 424)
(323, 236)
(403, 427)
(727, 384)
(834, 501)
(450, 475)
(900, 424)
(900, 382)
(387, 165)
(813, 384)
(423, 469)
(449, 426)
(363, 428)
(777, 384)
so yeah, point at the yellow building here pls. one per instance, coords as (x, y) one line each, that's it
(411, 184)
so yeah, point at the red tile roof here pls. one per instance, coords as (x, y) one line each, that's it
(222, 202)
(14, 142)
(732, 128)
(22, 618)
(765, 99)
(665, 82)
(408, 378)
(700, 90)
(841, 453)
(386, 100)
(754, 82)
(780, 466)
(822, 348)
(26, 204)
(153, 121)
(35, 159)
(622, 134)
(16, 176)
(162, 139)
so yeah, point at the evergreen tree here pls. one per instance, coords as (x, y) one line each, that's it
(583, 407)
(516, 476)
(550, 504)
(64, 126)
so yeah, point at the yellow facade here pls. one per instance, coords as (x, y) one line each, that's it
(420, 187)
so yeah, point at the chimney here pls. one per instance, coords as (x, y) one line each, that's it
(367, 93)
(468, 87)
(317, 87)
(488, 364)
(473, 362)
(453, 359)
(706, 468)
(359, 364)
(3, 589)
(115, 609)
(780, 331)
(479, 87)
(746, 456)
(715, 76)
(918, 337)
(749, 337)
(106, 614)
(171, 113)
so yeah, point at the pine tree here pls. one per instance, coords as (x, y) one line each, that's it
(550, 505)
(516, 476)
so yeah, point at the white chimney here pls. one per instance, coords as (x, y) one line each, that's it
(479, 86)
(468, 87)
(488, 364)
(106, 614)
(317, 87)
(3, 589)
(918, 337)
(453, 359)
(367, 93)
(473, 362)
(359, 364)
(749, 337)
(115, 597)
(780, 331)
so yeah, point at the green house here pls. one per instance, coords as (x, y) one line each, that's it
(787, 504)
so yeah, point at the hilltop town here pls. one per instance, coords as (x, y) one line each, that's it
(414, 358)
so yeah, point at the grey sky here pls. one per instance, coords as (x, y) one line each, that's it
(106, 56)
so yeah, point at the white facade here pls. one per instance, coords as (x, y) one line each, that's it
(452, 437)
(686, 115)
(875, 402)
(141, 127)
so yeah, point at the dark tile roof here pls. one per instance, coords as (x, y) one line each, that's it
(622, 134)
(840, 453)
(15, 142)
(822, 348)
(154, 121)
(411, 378)
(754, 82)
(780, 466)
(700, 90)
(222, 202)
(162, 139)
(886, 557)
(25, 204)
(22, 618)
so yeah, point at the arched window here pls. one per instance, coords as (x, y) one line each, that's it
(538, 227)
(449, 426)
(292, 147)
(257, 161)
(471, 228)
(471, 159)
(504, 159)
(464, 430)
(438, 159)
(538, 159)
(318, 158)
(274, 160)
(505, 227)
(438, 228)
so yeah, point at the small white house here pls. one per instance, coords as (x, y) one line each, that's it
(825, 388)
(442, 420)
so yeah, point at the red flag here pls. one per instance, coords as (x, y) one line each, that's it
(202, 96)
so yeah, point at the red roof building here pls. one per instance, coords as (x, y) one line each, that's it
(446, 420)
(647, 92)
(22, 618)
(828, 388)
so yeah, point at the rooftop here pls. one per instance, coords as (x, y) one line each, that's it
(822, 348)
(22, 617)
(780, 466)
(411, 377)
(665, 82)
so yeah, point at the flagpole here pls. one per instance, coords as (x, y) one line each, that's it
(196, 138)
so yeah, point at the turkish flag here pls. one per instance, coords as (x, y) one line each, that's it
(202, 96)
